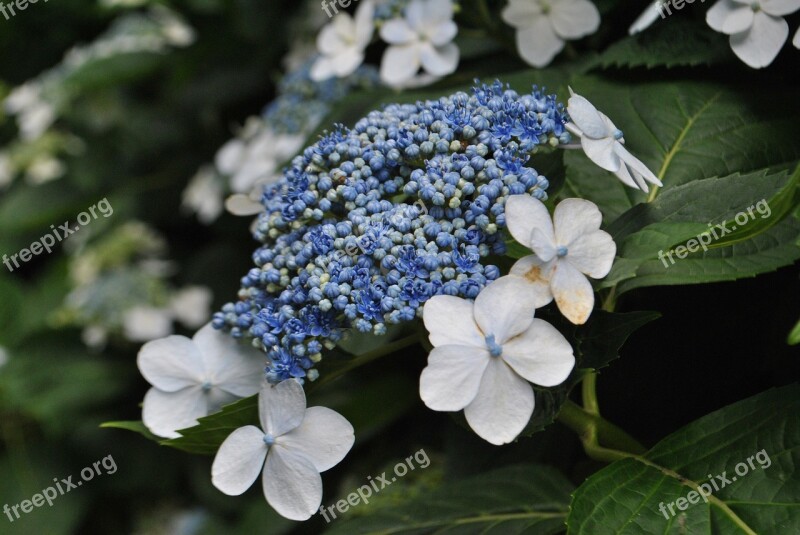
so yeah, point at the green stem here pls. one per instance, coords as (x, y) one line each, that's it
(602, 440)
(589, 394)
(486, 15)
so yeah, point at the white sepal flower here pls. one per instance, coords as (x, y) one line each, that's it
(422, 39)
(604, 145)
(192, 306)
(796, 39)
(193, 377)
(757, 29)
(544, 25)
(484, 354)
(342, 43)
(204, 195)
(297, 444)
(143, 323)
(566, 249)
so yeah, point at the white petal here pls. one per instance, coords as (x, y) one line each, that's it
(625, 176)
(646, 19)
(505, 308)
(163, 413)
(347, 61)
(417, 14)
(444, 33)
(586, 117)
(439, 61)
(779, 8)
(573, 218)
(239, 460)
(537, 274)
(229, 157)
(573, 19)
(438, 11)
(324, 438)
(171, 363)
(796, 40)
(572, 292)
(636, 164)
(592, 254)
(503, 406)
(145, 323)
(523, 214)
(234, 367)
(365, 23)
(323, 68)
(281, 407)
(449, 320)
(329, 40)
(738, 20)
(538, 44)
(719, 12)
(192, 305)
(759, 46)
(292, 486)
(542, 245)
(601, 152)
(397, 32)
(242, 205)
(521, 13)
(399, 63)
(450, 381)
(541, 355)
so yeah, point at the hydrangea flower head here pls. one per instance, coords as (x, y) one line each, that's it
(371, 222)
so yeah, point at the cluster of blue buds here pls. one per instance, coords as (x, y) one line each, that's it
(368, 224)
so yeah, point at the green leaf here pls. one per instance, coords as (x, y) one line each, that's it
(514, 499)
(763, 239)
(675, 42)
(596, 344)
(137, 426)
(684, 131)
(755, 444)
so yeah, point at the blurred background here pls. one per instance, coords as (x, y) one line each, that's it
(127, 103)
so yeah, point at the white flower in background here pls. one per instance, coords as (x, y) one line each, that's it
(243, 205)
(647, 18)
(757, 28)
(34, 114)
(342, 43)
(422, 39)
(94, 336)
(192, 306)
(143, 323)
(566, 249)
(193, 378)
(44, 169)
(484, 354)
(544, 25)
(796, 40)
(603, 144)
(297, 444)
(204, 195)
(3, 356)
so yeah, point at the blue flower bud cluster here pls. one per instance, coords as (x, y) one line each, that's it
(368, 224)
(302, 103)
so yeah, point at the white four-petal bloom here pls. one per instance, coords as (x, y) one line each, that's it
(603, 144)
(566, 249)
(544, 25)
(484, 354)
(342, 43)
(192, 378)
(297, 444)
(423, 38)
(757, 27)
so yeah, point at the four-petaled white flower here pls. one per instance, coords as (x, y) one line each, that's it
(757, 28)
(342, 43)
(544, 25)
(297, 443)
(484, 354)
(192, 378)
(423, 38)
(565, 250)
(603, 144)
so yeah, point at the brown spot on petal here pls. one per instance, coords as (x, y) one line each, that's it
(574, 306)
(535, 275)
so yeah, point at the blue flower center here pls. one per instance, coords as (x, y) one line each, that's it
(206, 387)
(618, 134)
(269, 440)
(495, 349)
(562, 251)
